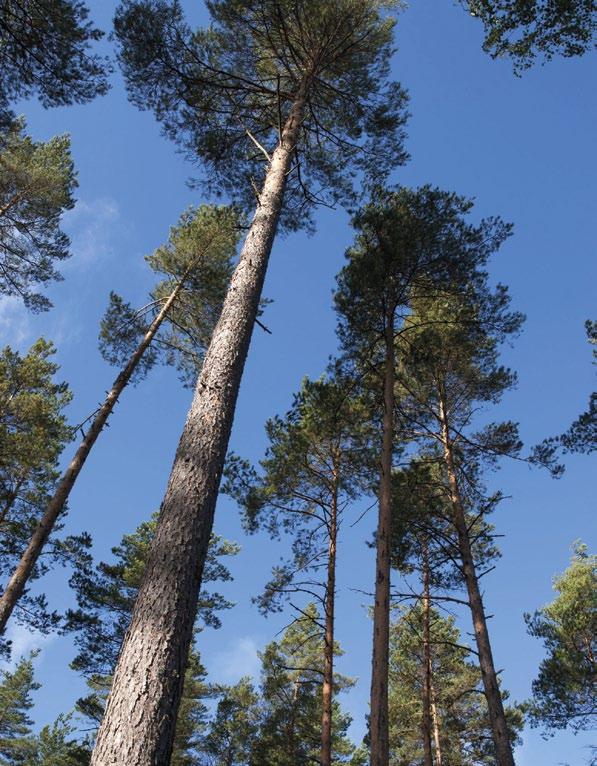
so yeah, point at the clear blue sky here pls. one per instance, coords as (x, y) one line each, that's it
(525, 149)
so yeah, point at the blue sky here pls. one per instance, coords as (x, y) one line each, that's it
(525, 149)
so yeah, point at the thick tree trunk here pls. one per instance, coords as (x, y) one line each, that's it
(18, 581)
(497, 717)
(436, 726)
(138, 725)
(426, 686)
(328, 646)
(379, 727)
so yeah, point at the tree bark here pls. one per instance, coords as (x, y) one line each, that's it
(328, 647)
(379, 727)
(426, 686)
(18, 581)
(138, 725)
(497, 717)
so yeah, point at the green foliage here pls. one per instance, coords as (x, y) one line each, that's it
(37, 180)
(44, 51)
(582, 434)
(463, 721)
(106, 595)
(53, 746)
(219, 91)
(290, 731)
(564, 692)
(15, 703)
(235, 726)
(317, 463)
(410, 245)
(423, 535)
(526, 30)
(33, 433)
(199, 252)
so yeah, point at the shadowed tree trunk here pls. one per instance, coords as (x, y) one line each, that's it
(138, 726)
(18, 581)
(328, 665)
(426, 687)
(380, 746)
(503, 749)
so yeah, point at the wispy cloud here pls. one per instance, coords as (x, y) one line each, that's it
(15, 322)
(238, 659)
(92, 226)
(24, 640)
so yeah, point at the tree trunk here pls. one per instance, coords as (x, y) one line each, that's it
(497, 717)
(18, 581)
(426, 686)
(379, 727)
(328, 647)
(436, 727)
(138, 725)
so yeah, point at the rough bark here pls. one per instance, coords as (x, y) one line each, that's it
(328, 650)
(380, 746)
(18, 581)
(497, 717)
(426, 686)
(138, 726)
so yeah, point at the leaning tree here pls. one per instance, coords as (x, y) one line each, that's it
(174, 327)
(285, 104)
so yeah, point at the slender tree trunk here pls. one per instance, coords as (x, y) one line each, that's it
(18, 581)
(138, 725)
(380, 746)
(426, 687)
(503, 749)
(436, 726)
(328, 647)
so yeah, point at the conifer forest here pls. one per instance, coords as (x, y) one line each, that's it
(298, 414)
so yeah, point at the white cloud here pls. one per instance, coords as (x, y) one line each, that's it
(237, 660)
(91, 227)
(15, 323)
(24, 640)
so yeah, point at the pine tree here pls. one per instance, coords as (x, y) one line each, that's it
(234, 727)
(409, 244)
(16, 688)
(277, 100)
(459, 719)
(451, 368)
(317, 463)
(33, 433)
(44, 51)
(292, 670)
(105, 596)
(53, 746)
(37, 180)
(564, 692)
(196, 264)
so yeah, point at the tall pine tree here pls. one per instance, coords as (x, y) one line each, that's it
(278, 100)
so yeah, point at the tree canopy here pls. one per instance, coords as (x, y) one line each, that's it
(223, 93)
(565, 690)
(37, 180)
